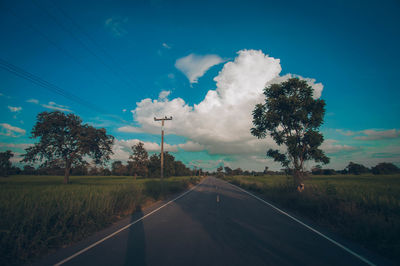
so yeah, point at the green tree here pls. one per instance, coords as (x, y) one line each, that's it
(117, 168)
(292, 118)
(140, 160)
(64, 138)
(356, 169)
(181, 169)
(5, 164)
(237, 171)
(155, 165)
(29, 170)
(384, 169)
(228, 170)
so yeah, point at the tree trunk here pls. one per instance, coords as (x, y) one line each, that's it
(298, 179)
(67, 170)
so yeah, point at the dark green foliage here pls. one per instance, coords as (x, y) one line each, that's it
(171, 167)
(291, 117)
(5, 164)
(317, 170)
(64, 140)
(139, 161)
(356, 169)
(237, 171)
(181, 169)
(228, 170)
(384, 169)
(219, 172)
(117, 168)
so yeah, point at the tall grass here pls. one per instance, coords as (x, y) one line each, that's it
(39, 214)
(365, 209)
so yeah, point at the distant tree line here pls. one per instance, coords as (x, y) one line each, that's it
(64, 144)
(149, 167)
(140, 164)
(357, 169)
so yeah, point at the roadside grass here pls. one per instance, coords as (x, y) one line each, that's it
(39, 214)
(364, 208)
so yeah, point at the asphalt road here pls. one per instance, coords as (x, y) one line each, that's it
(213, 224)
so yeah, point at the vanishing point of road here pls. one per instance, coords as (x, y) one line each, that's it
(215, 223)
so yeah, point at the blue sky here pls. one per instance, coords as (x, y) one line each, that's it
(205, 63)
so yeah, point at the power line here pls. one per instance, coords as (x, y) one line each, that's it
(54, 88)
(74, 36)
(87, 35)
(47, 85)
(60, 48)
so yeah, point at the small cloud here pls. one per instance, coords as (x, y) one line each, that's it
(18, 146)
(116, 25)
(124, 110)
(130, 129)
(346, 132)
(11, 131)
(195, 66)
(32, 101)
(14, 109)
(166, 46)
(331, 146)
(163, 95)
(58, 107)
(191, 146)
(171, 76)
(371, 134)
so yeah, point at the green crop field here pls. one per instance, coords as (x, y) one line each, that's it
(39, 214)
(363, 208)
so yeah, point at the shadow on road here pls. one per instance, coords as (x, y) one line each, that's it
(136, 243)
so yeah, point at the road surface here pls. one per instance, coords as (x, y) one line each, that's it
(215, 223)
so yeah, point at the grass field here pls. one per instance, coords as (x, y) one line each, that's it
(365, 209)
(39, 214)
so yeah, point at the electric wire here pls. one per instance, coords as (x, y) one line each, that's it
(47, 85)
(87, 35)
(76, 38)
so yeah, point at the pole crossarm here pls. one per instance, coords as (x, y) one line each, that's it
(163, 119)
(162, 141)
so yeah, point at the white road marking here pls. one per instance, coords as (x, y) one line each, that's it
(123, 228)
(308, 227)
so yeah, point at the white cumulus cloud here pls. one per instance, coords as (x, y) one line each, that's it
(195, 66)
(221, 122)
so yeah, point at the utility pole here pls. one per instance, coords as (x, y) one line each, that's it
(162, 141)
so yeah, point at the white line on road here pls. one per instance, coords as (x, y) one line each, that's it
(309, 227)
(123, 228)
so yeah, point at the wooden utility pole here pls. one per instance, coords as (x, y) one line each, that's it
(162, 141)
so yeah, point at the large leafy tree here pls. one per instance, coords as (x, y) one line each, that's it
(155, 168)
(139, 160)
(63, 138)
(292, 118)
(385, 168)
(5, 163)
(356, 169)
